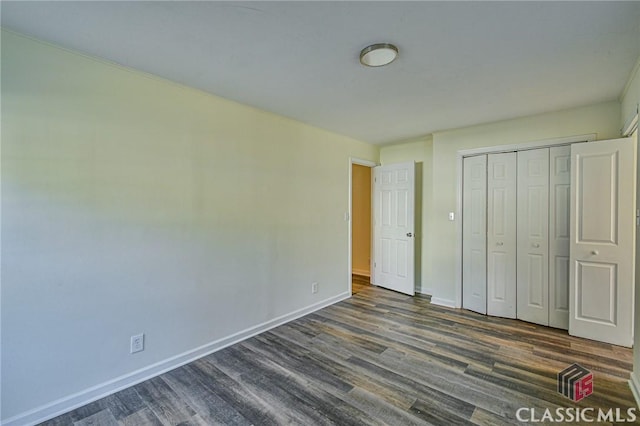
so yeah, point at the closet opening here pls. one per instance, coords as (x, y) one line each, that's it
(546, 235)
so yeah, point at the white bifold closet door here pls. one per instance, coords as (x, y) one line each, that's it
(551, 231)
(544, 184)
(559, 230)
(501, 234)
(533, 236)
(474, 234)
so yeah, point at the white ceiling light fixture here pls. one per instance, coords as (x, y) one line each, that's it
(378, 54)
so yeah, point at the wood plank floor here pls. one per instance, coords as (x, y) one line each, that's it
(359, 283)
(377, 358)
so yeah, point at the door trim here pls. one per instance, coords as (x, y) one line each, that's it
(544, 143)
(370, 164)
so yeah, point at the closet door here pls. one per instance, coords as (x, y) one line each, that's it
(533, 236)
(501, 235)
(559, 208)
(603, 191)
(474, 234)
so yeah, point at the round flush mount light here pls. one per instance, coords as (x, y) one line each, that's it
(378, 54)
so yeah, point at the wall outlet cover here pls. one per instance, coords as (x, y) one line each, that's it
(137, 343)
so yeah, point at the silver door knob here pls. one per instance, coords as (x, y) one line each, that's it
(535, 245)
(499, 243)
(409, 234)
(595, 252)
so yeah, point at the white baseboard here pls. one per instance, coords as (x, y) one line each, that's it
(634, 384)
(363, 272)
(443, 302)
(94, 393)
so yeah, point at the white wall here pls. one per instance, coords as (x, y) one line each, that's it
(131, 204)
(419, 151)
(602, 119)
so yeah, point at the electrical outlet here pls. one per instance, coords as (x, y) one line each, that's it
(137, 343)
(314, 287)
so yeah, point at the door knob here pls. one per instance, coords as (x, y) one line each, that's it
(595, 252)
(500, 243)
(535, 245)
(409, 234)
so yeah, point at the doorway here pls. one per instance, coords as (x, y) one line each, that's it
(360, 250)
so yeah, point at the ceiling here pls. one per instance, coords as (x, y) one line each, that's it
(460, 63)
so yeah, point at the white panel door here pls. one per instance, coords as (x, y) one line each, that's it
(394, 242)
(559, 207)
(533, 236)
(602, 240)
(474, 234)
(501, 235)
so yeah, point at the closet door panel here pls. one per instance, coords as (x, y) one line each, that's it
(559, 229)
(474, 234)
(533, 236)
(501, 235)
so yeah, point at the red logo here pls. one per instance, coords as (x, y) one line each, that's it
(575, 382)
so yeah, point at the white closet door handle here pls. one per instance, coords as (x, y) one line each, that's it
(535, 245)
(499, 243)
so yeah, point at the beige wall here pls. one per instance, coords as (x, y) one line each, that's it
(361, 220)
(420, 151)
(131, 204)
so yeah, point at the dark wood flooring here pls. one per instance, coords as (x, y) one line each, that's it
(377, 358)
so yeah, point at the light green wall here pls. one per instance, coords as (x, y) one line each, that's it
(631, 97)
(131, 204)
(419, 151)
(602, 119)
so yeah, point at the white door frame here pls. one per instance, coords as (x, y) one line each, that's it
(366, 163)
(493, 150)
